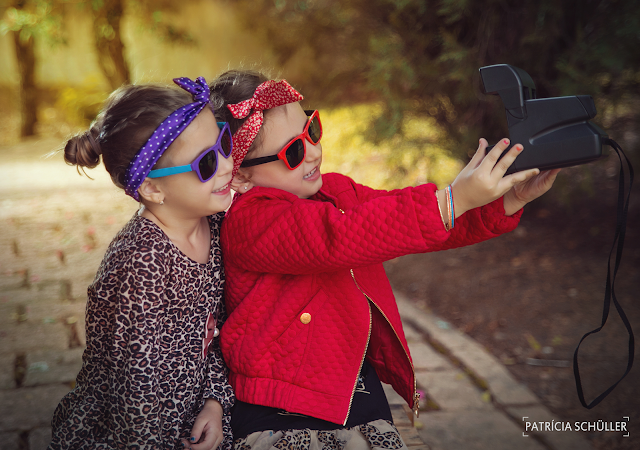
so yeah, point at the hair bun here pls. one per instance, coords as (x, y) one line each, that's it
(82, 150)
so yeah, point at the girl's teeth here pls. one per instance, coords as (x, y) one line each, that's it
(222, 188)
(311, 173)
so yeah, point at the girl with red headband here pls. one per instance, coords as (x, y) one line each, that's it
(153, 376)
(313, 326)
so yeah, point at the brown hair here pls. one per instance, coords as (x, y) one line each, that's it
(127, 121)
(232, 87)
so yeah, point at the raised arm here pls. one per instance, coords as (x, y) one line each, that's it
(280, 233)
(276, 232)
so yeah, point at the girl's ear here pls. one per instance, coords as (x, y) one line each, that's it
(151, 192)
(241, 181)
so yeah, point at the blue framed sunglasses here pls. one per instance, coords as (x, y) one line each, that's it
(205, 165)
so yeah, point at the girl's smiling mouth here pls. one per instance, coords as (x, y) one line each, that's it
(223, 189)
(311, 175)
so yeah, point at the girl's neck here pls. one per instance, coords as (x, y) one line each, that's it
(192, 236)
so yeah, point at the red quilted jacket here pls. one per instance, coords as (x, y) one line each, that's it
(308, 297)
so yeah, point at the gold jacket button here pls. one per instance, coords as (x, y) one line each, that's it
(305, 318)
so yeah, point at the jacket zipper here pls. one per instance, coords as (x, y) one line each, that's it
(364, 354)
(355, 384)
(416, 395)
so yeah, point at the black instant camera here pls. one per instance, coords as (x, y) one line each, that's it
(555, 132)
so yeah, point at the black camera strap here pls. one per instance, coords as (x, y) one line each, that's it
(621, 226)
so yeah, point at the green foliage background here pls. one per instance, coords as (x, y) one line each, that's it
(397, 79)
(421, 57)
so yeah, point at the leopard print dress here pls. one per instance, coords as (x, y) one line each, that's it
(376, 435)
(149, 364)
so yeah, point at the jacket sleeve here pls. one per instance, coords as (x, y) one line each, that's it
(279, 233)
(476, 225)
(134, 354)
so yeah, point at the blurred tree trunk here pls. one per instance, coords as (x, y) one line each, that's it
(106, 29)
(26, 67)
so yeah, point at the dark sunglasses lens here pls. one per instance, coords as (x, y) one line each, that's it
(295, 153)
(225, 144)
(207, 165)
(314, 130)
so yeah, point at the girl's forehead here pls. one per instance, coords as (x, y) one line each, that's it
(289, 115)
(283, 111)
(201, 133)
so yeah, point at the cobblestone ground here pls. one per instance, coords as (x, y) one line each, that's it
(54, 229)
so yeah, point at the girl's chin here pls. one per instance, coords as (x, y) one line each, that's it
(316, 187)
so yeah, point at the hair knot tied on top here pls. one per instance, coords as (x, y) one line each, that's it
(198, 89)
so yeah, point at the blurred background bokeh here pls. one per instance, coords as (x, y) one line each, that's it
(398, 88)
(399, 77)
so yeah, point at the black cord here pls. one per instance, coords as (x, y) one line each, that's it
(621, 227)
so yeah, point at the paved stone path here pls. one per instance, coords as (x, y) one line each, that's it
(54, 229)
(472, 400)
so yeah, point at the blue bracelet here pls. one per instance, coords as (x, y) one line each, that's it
(450, 198)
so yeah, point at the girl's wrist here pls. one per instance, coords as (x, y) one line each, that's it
(443, 209)
(511, 203)
(448, 207)
(214, 405)
(459, 206)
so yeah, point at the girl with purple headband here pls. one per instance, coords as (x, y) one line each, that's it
(153, 376)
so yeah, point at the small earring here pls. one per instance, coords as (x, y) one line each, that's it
(162, 202)
(245, 188)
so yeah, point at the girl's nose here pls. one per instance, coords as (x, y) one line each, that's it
(314, 152)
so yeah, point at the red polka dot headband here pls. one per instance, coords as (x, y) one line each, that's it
(268, 95)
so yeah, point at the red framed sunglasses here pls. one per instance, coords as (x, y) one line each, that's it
(295, 151)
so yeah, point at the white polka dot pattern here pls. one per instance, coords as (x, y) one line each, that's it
(166, 133)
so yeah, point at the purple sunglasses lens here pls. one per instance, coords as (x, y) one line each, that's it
(207, 164)
(226, 142)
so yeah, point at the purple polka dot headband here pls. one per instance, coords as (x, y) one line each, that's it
(166, 133)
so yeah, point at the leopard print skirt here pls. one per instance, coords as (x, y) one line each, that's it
(377, 435)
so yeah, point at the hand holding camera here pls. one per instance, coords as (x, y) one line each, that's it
(483, 180)
(528, 190)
